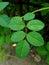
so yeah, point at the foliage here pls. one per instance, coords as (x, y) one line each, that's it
(24, 31)
(35, 25)
(29, 16)
(43, 51)
(22, 49)
(2, 53)
(1, 40)
(44, 12)
(47, 46)
(8, 39)
(3, 5)
(1, 58)
(18, 23)
(4, 20)
(16, 38)
(35, 39)
(47, 59)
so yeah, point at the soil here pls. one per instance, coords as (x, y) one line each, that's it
(29, 60)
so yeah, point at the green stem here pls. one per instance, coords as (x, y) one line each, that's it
(40, 9)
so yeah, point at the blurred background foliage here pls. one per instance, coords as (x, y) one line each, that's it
(20, 7)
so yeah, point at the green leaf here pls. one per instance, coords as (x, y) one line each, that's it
(8, 39)
(29, 16)
(47, 46)
(44, 12)
(18, 36)
(35, 25)
(1, 58)
(22, 49)
(45, 4)
(1, 31)
(3, 52)
(0, 0)
(4, 20)
(3, 5)
(7, 31)
(31, 8)
(35, 39)
(41, 51)
(1, 40)
(4, 31)
(16, 23)
(47, 59)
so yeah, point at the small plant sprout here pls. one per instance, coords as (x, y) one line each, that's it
(22, 31)
(23, 38)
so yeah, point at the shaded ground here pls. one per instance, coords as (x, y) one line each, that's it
(27, 61)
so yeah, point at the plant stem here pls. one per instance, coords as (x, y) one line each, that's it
(40, 9)
(26, 30)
